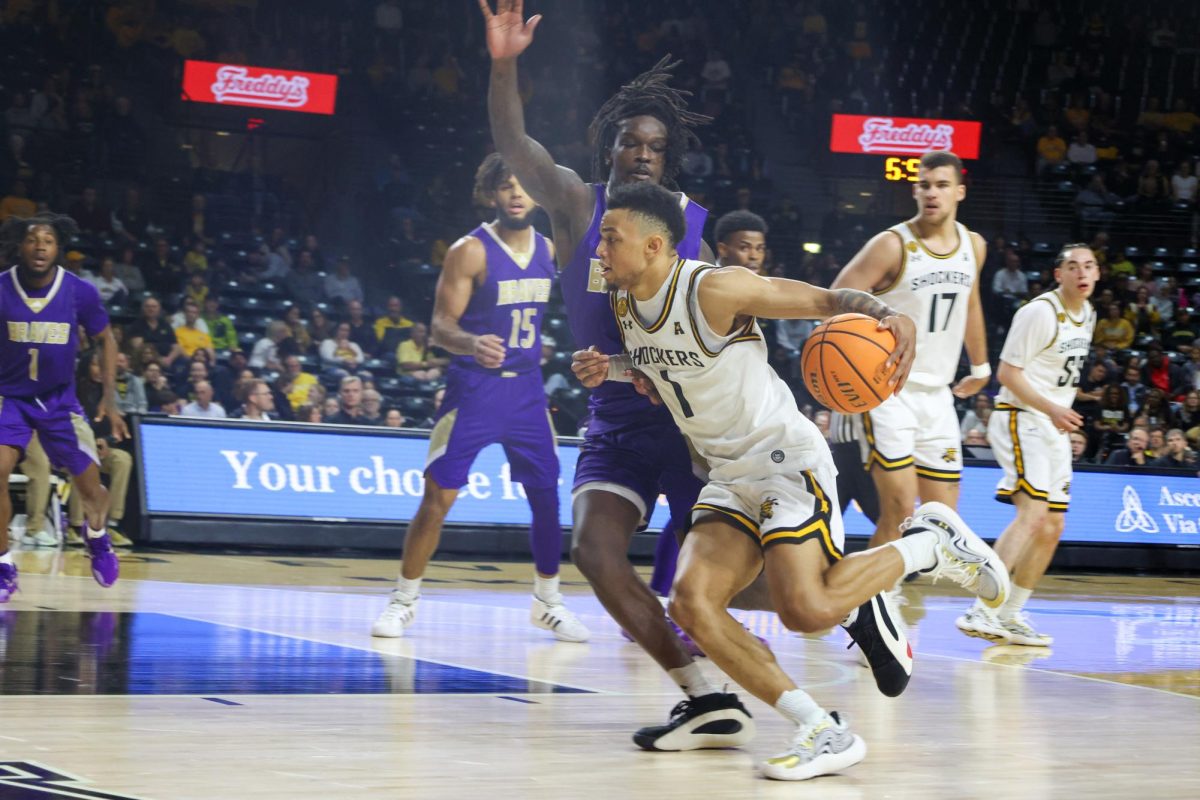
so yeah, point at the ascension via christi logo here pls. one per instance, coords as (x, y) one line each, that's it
(1133, 517)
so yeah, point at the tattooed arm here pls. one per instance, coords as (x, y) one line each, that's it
(727, 297)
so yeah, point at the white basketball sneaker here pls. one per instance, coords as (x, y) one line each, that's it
(42, 537)
(982, 624)
(820, 749)
(399, 614)
(1018, 631)
(961, 555)
(555, 617)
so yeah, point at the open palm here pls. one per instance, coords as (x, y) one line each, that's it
(507, 33)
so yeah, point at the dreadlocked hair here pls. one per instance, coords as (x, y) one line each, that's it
(13, 231)
(648, 94)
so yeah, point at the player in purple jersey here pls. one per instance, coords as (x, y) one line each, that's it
(42, 308)
(494, 286)
(633, 450)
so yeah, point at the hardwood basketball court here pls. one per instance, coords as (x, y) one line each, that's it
(214, 676)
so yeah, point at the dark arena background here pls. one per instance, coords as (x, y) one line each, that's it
(269, 194)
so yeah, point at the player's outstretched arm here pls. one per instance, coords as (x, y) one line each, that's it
(463, 267)
(558, 189)
(731, 294)
(876, 266)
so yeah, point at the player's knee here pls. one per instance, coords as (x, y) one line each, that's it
(593, 554)
(896, 505)
(1035, 516)
(687, 606)
(1052, 528)
(804, 614)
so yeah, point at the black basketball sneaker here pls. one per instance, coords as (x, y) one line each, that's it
(707, 722)
(877, 630)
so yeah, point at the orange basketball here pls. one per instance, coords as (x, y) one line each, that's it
(843, 363)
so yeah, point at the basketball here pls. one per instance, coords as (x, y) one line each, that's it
(843, 363)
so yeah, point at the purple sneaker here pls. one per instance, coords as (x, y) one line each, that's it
(105, 566)
(8, 581)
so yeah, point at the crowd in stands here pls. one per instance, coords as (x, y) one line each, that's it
(254, 316)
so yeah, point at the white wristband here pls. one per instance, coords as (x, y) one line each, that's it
(617, 365)
(983, 370)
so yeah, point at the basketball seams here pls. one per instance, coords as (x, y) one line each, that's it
(839, 324)
(865, 338)
(866, 381)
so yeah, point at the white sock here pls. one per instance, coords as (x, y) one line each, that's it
(408, 588)
(6, 558)
(692, 681)
(1017, 597)
(798, 706)
(93, 534)
(546, 589)
(917, 550)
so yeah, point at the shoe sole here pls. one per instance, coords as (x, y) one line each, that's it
(387, 634)
(978, 634)
(1021, 641)
(682, 739)
(969, 541)
(825, 764)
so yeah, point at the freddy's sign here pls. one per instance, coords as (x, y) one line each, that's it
(903, 136)
(259, 87)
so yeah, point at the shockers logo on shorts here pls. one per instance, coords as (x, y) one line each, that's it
(766, 508)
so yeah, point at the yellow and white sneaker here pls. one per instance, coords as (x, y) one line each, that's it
(961, 555)
(820, 749)
(982, 624)
(1018, 631)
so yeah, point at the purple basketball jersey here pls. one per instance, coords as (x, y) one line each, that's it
(510, 302)
(37, 352)
(614, 403)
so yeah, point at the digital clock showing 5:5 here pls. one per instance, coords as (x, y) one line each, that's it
(898, 168)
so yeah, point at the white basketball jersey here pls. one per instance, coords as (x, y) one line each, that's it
(738, 414)
(934, 290)
(1051, 346)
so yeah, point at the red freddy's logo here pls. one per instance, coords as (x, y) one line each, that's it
(235, 83)
(881, 135)
(903, 136)
(259, 87)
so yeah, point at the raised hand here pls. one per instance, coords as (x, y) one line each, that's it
(507, 33)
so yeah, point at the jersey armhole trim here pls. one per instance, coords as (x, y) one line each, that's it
(903, 266)
(691, 290)
(1053, 307)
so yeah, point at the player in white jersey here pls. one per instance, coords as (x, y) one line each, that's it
(771, 501)
(1040, 366)
(927, 268)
